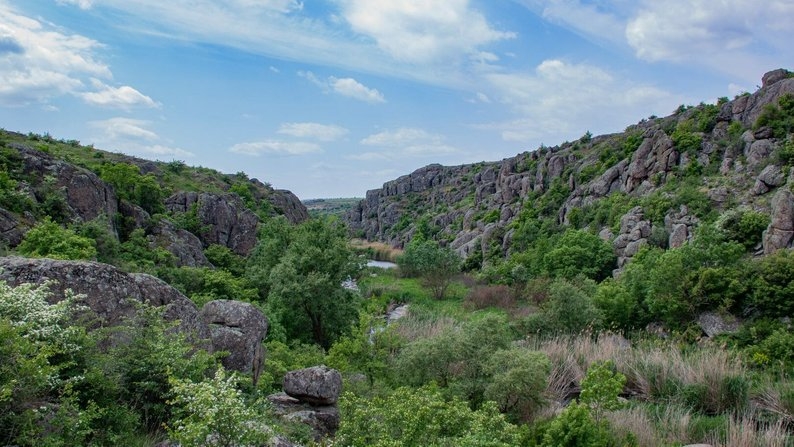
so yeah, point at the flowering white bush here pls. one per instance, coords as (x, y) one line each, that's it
(26, 307)
(213, 413)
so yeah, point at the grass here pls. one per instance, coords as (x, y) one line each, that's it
(376, 250)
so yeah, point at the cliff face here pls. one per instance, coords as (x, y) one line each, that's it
(472, 207)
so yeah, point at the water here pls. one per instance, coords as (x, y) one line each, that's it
(381, 264)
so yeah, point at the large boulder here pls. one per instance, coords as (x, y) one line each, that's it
(239, 328)
(109, 292)
(318, 385)
(224, 218)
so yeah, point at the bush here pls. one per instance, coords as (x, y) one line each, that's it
(422, 417)
(213, 413)
(50, 240)
(482, 297)
(575, 427)
(518, 381)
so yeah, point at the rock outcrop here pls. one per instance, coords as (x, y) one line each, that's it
(11, 229)
(238, 328)
(111, 294)
(85, 195)
(780, 232)
(224, 219)
(186, 247)
(310, 397)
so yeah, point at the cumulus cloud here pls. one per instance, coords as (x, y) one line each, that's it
(321, 132)
(733, 36)
(346, 87)
(417, 32)
(562, 100)
(123, 128)
(275, 147)
(40, 62)
(134, 137)
(404, 142)
(124, 97)
(356, 90)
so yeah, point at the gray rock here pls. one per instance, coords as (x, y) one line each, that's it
(184, 245)
(225, 219)
(714, 324)
(318, 385)
(323, 419)
(11, 230)
(774, 76)
(678, 236)
(780, 231)
(87, 196)
(239, 328)
(772, 176)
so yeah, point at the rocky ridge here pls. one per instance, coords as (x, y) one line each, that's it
(473, 207)
(53, 178)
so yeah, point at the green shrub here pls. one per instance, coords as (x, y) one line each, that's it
(213, 412)
(779, 118)
(575, 427)
(50, 240)
(422, 417)
(518, 381)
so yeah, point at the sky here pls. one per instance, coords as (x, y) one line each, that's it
(331, 98)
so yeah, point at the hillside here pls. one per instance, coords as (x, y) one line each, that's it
(175, 207)
(660, 177)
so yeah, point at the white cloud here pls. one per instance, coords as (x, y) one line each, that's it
(401, 137)
(419, 32)
(321, 132)
(601, 21)
(404, 142)
(124, 97)
(346, 87)
(275, 147)
(356, 90)
(733, 36)
(82, 4)
(40, 62)
(121, 128)
(560, 101)
(133, 136)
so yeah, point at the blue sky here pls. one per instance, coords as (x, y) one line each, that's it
(330, 98)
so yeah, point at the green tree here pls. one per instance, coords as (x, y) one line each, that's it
(50, 240)
(305, 283)
(435, 265)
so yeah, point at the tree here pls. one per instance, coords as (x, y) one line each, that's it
(304, 280)
(435, 265)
